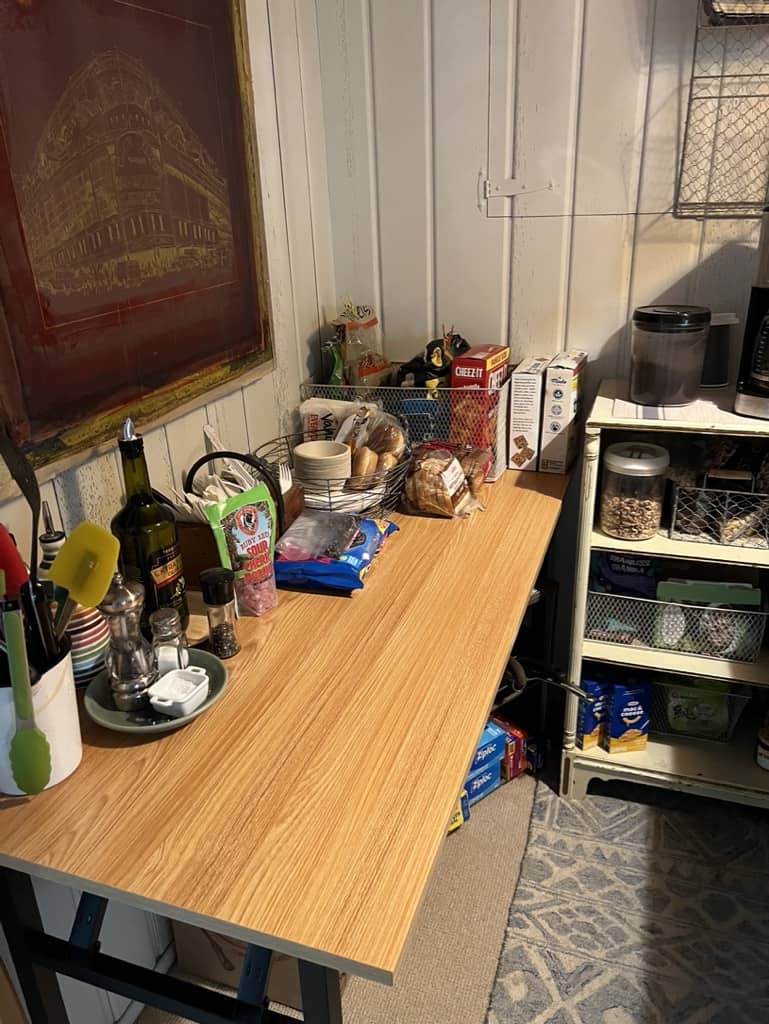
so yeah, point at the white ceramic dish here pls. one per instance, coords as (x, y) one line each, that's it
(180, 692)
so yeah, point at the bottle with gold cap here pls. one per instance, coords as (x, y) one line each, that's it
(149, 546)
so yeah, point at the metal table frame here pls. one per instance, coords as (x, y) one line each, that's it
(38, 957)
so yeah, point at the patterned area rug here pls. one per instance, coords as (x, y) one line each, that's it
(638, 906)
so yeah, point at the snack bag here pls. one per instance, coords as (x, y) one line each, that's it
(334, 569)
(244, 527)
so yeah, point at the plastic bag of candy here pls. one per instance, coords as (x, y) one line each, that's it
(244, 527)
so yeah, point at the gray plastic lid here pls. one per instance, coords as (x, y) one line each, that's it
(635, 458)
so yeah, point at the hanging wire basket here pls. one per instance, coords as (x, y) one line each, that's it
(724, 168)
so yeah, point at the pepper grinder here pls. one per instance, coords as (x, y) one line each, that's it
(129, 660)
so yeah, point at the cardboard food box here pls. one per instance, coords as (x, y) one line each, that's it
(491, 746)
(461, 813)
(205, 954)
(561, 411)
(477, 419)
(527, 383)
(483, 780)
(591, 719)
(627, 726)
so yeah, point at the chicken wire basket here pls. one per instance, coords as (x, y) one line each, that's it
(732, 518)
(724, 170)
(681, 708)
(457, 416)
(707, 630)
(374, 495)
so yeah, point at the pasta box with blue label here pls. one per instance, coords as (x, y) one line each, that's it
(627, 725)
(491, 746)
(461, 813)
(483, 780)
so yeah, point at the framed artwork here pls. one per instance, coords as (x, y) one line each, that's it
(131, 244)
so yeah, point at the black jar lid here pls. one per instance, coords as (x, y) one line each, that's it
(217, 586)
(666, 318)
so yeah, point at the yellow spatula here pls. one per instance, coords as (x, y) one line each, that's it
(83, 567)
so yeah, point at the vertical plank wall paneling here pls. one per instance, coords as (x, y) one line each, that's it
(587, 97)
(292, 157)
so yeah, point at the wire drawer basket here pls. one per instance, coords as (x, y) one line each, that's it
(709, 631)
(721, 517)
(374, 495)
(474, 416)
(699, 712)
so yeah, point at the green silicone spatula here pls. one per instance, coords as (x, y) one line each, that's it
(29, 753)
(84, 568)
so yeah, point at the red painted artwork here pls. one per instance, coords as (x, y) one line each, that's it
(126, 227)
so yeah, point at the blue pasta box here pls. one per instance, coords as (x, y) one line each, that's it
(491, 746)
(461, 813)
(483, 780)
(591, 718)
(627, 726)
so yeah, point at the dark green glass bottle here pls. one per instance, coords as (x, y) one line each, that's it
(149, 546)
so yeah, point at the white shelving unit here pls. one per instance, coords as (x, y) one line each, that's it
(727, 771)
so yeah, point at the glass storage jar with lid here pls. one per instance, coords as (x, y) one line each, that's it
(633, 489)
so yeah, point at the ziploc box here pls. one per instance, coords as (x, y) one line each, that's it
(461, 813)
(480, 416)
(591, 718)
(561, 411)
(483, 780)
(627, 726)
(491, 746)
(526, 386)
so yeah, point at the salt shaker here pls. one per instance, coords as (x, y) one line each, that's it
(169, 641)
(129, 658)
(218, 587)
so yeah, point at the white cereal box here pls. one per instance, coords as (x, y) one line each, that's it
(526, 387)
(561, 411)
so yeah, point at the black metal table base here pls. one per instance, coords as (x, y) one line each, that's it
(39, 957)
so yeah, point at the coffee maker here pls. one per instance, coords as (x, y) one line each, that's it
(752, 397)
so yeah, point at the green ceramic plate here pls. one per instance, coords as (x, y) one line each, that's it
(101, 708)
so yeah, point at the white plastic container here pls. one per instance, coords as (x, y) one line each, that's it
(180, 692)
(55, 706)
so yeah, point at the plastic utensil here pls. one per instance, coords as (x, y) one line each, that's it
(29, 753)
(84, 567)
(22, 472)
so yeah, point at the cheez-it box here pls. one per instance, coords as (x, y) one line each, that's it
(474, 417)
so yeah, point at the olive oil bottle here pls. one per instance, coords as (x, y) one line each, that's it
(149, 546)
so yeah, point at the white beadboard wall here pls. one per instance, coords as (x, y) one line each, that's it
(425, 99)
(286, 87)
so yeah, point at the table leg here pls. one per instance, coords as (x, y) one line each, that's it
(321, 994)
(18, 912)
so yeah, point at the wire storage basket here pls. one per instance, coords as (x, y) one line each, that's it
(456, 416)
(707, 630)
(701, 712)
(720, 517)
(374, 495)
(724, 170)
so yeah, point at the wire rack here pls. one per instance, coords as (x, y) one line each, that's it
(721, 517)
(725, 155)
(696, 629)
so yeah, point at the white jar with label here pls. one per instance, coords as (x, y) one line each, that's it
(633, 489)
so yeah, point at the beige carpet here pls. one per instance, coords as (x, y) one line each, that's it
(448, 969)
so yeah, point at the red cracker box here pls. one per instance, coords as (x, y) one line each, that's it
(514, 761)
(474, 417)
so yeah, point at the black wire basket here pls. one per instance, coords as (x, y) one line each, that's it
(374, 495)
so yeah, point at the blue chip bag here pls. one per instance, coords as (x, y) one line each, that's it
(298, 565)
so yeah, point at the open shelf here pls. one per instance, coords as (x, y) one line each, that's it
(662, 546)
(754, 672)
(727, 771)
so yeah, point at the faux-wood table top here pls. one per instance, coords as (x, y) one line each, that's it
(305, 810)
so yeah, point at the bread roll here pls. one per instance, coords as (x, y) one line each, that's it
(386, 437)
(386, 462)
(364, 462)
